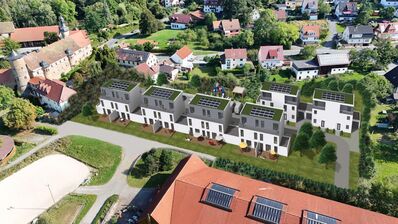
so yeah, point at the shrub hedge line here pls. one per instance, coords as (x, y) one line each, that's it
(46, 130)
(105, 209)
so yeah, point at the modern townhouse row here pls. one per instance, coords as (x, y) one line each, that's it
(260, 125)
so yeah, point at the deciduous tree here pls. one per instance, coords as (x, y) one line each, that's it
(166, 160)
(22, 114)
(148, 23)
(317, 139)
(328, 154)
(6, 97)
(162, 79)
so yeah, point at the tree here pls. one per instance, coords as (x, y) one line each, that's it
(364, 60)
(333, 85)
(39, 111)
(378, 85)
(148, 23)
(195, 81)
(9, 46)
(246, 39)
(363, 16)
(64, 8)
(317, 139)
(151, 164)
(239, 9)
(50, 37)
(96, 17)
(306, 128)
(386, 52)
(22, 114)
(328, 154)
(301, 143)
(308, 52)
(246, 69)
(324, 9)
(166, 160)
(347, 88)
(28, 13)
(148, 46)
(209, 18)
(162, 79)
(387, 13)
(6, 97)
(87, 109)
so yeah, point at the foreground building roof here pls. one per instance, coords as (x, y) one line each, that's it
(29, 34)
(187, 197)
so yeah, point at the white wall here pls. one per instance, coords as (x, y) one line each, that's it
(301, 75)
(196, 125)
(386, 3)
(208, 9)
(177, 26)
(338, 70)
(331, 117)
(278, 101)
(271, 63)
(164, 117)
(233, 63)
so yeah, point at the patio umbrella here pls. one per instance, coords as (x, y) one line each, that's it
(243, 145)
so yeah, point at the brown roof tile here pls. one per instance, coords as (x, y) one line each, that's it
(184, 52)
(55, 90)
(6, 27)
(239, 53)
(29, 34)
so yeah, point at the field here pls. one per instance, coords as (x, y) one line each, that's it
(306, 166)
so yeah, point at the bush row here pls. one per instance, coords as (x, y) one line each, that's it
(105, 209)
(46, 130)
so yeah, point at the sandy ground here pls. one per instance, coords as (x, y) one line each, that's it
(27, 193)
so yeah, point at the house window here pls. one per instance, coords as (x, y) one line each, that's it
(154, 114)
(220, 128)
(275, 126)
(314, 121)
(261, 137)
(204, 112)
(160, 117)
(156, 102)
(257, 123)
(220, 115)
(262, 124)
(207, 125)
(255, 135)
(171, 118)
(293, 108)
(143, 112)
(244, 120)
(322, 123)
(315, 111)
(126, 107)
(271, 104)
(275, 140)
(146, 101)
(347, 127)
(112, 105)
(189, 122)
(338, 126)
(348, 118)
(102, 103)
(241, 133)
(192, 109)
(208, 113)
(171, 106)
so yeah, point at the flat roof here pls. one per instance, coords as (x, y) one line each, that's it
(280, 87)
(261, 111)
(118, 84)
(334, 96)
(209, 101)
(162, 92)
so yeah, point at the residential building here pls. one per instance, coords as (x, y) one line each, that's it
(151, 72)
(281, 6)
(310, 34)
(333, 63)
(183, 58)
(389, 3)
(171, 3)
(227, 27)
(310, 7)
(6, 28)
(305, 69)
(233, 58)
(197, 16)
(392, 76)
(162, 107)
(346, 11)
(293, 4)
(120, 99)
(387, 30)
(271, 56)
(215, 6)
(280, 15)
(283, 96)
(7, 149)
(197, 193)
(209, 116)
(180, 21)
(170, 71)
(333, 110)
(358, 35)
(52, 60)
(132, 58)
(262, 128)
(53, 94)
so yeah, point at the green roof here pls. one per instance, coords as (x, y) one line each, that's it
(275, 113)
(280, 87)
(118, 84)
(159, 92)
(221, 103)
(329, 95)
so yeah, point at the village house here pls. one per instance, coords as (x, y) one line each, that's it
(183, 59)
(132, 58)
(333, 63)
(387, 30)
(171, 3)
(280, 15)
(215, 6)
(358, 35)
(389, 3)
(346, 11)
(310, 34)
(233, 58)
(293, 4)
(180, 21)
(310, 8)
(271, 56)
(148, 71)
(6, 28)
(305, 69)
(227, 27)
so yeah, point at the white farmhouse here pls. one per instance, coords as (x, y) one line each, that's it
(233, 58)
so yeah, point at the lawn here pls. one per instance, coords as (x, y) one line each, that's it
(386, 173)
(70, 209)
(340, 28)
(354, 172)
(22, 148)
(203, 71)
(135, 179)
(102, 156)
(306, 166)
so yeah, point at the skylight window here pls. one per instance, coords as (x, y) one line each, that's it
(219, 196)
(266, 210)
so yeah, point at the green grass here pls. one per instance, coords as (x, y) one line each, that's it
(105, 209)
(306, 166)
(354, 172)
(64, 212)
(103, 156)
(22, 149)
(340, 28)
(203, 71)
(386, 173)
(135, 179)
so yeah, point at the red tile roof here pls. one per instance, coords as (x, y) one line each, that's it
(270, 52)
(387, 28)
(36, 80)
(184, 52)
(30, 34)
(144, 69)
(307, 30)
(280, 14)
(55, 90)
(239, 53)
(230, 25)
(180, 18)
(197, 15)
(6, 77)
(179, 200)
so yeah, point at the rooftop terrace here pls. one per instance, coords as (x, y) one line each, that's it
(209, 101)
(119, 84)
(261, 111)
(334, 96)
(280, 87)
(163, 93)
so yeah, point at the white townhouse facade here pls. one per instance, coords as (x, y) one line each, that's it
(214, 6)
(282, 96)
(305, 69)
(132, 58)
(389, 3)
(162, 107)
(262, 128)
(119, 99)
(333, 110)
(233, 58)
(209, 116)
(358, 35)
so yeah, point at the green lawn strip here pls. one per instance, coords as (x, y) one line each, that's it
(103, 156)
(354, 172)
(105, 209)
(22, 148)
(340, 28)
(358, 102)
(305, 166)
(135, 179)
(386, 173)
(64, 212)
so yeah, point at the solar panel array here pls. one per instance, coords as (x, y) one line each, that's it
(333, 96)
(267, 210)
(162, 93)
(262, 112)
(280, 88)
(118, 84)
(208, 102)
(220, 196)
(315, 218)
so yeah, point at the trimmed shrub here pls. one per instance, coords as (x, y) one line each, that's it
(105, 209)
(46, 130)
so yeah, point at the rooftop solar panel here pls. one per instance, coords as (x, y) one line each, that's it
(162, 93)
(118, 84)
(333, 96)
(207, 102)
(267, 210)
(221, 196)
(280, 88)
(262, 112)
(315, 218)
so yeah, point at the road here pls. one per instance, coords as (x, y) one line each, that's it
(114, 41)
